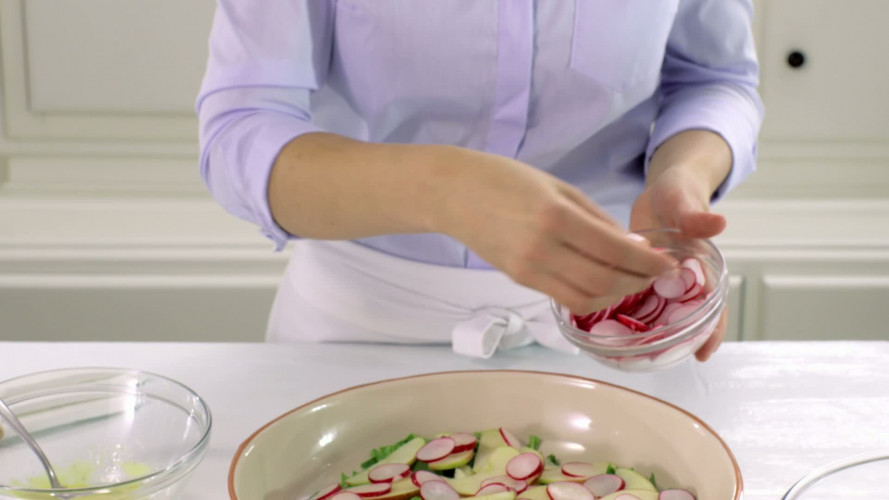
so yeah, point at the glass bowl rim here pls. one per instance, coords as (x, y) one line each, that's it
(697, 316)
(168, 471)
(816, 475)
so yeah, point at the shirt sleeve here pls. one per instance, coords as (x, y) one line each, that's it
(264, 62)
(709, 80)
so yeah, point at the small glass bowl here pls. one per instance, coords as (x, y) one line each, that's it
(858, 476)
(670, 344)
(109, 433)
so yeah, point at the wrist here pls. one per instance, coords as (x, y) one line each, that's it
(701, 154)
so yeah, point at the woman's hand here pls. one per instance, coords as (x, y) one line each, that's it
(684, 173)
(542, 232)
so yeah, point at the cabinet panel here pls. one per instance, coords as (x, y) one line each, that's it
(139, 56)
(735, 308)
(824, 308)
(839, 91)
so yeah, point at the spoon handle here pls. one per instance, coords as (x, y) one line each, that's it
(13, 421)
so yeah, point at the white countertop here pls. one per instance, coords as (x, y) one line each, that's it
(783, 408)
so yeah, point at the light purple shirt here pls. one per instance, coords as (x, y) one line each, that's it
(584, 89)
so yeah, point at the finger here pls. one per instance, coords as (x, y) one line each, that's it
(576, 300)
(578, 197)
(593, 278)
(713, 343)
(702, 224)
(612, 247)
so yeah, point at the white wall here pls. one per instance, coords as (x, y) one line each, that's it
(106, 232)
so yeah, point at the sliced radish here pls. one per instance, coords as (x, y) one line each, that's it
(669, 287)
(631, 323)
(664, 316)
(524, 466)
(436, 449)
(510, 439)
(682, 312)
(659, 308)
(370, 490)
(565, 490)
(513, 484)
(345, 495)
(610, 328)
(604, 484)
(492, 488)
(688, 276)
(424, 476)
(694, 265)
(691, 294)
(438, 490)
(386, 473)
(463, 442)
(676, 495)
(646, 307)
(581, 469)
(327, 491)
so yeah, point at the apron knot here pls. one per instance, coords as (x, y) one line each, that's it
(490, 328)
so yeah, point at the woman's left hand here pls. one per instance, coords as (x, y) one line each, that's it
(678, 198)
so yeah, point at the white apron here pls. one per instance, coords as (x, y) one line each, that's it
(339, 291)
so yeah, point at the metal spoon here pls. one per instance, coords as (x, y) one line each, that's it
(16, 424)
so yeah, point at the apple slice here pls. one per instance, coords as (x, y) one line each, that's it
(490, 440)
(524, 466)
(451, 461)
(345, 495)
(423, 476)
(404, 489)
(514, 484)
(506, 495)
(631, 495)
(534, 493)
(583, 469)
(634, 480)
(554, 475)
(404, 454)
(492, 488)
(568, 491)
(676, 495)
(496, 466)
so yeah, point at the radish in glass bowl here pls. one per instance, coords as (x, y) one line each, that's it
(663, 325)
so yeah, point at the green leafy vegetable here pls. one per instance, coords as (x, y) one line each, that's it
(610, 469)
(652, 481)
(420, 465)
(552, 458)
(534, 442)
(378, 454)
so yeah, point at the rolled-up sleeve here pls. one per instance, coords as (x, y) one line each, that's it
(709, 81)
(264, 62)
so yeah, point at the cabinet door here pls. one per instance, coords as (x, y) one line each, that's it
(735, 308)
(837, 91)
(824, 307)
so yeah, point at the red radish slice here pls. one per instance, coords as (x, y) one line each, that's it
(387, 473)
(691, 294)
(647, 307)
(565, 490)
(327, 491)
(580, 469)
(345, 495)
(676, 495)
(610, 328)
(492, 488)
(664, 316)
(682, 312)
(424, 476)
(510, 439)
(463, 442)
(604, 484)
(524, 465)
(370, 490)
(688, 276)
(436, 449)
(669, 287)
(659, 308)
(513, 484)
(694, 265)
(438, 490)
(632, 324)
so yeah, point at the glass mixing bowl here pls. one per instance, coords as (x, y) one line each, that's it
(672, 343)
(110, 434)
(859, 476)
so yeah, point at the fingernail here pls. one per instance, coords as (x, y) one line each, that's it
(637, 237)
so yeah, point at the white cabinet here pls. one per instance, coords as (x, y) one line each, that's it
(824, 307)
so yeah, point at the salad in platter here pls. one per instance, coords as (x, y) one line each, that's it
(489, 465)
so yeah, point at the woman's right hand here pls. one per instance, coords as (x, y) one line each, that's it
(542, 232)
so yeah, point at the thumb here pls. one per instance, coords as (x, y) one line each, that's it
(681, 207)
